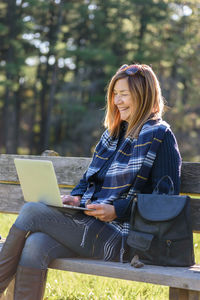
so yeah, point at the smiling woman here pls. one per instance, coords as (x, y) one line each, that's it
(134, 95)
(135, 151)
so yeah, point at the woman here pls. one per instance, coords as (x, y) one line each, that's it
(135, 151)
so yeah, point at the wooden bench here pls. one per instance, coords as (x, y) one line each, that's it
(184, 282)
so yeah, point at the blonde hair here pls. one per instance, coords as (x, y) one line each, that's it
(146, 94)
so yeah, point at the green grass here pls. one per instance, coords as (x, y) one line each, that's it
(63, 285)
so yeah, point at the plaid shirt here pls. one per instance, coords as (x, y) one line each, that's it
(129, 169)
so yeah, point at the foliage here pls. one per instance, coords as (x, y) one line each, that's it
(57, 56)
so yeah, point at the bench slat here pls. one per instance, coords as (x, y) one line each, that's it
(186, 278)
(11, 198)
(180, 277)
(15, 202)
(195, 214)
(68, 170)
(190, 177)
(14, 194)
(182, 294)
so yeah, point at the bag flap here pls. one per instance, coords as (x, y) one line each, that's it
(139, 240)
(160, 207)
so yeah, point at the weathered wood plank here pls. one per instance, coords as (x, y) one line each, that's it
(190, 178)
(180, 277)
(195, 214)
(182, 294)
(178, 294)
(11, 198)
(193, 295)
(185, 278)
(68, 170)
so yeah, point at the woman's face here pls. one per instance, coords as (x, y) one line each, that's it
(123, 99)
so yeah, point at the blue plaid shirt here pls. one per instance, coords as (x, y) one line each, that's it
(127, 168)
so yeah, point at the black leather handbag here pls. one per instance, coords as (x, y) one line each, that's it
(160, 229)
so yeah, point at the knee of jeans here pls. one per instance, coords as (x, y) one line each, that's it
(34, 253)
(31, 208)
(28, 214)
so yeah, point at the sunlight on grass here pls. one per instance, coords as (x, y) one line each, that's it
(63, 285)
(68, 285)
(6, 221)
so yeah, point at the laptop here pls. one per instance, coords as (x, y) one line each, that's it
(39, 183)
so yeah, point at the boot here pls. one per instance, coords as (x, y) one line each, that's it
(29, 283)
(10, 255)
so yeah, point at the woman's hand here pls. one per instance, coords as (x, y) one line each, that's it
(103, 212)
(71, 200)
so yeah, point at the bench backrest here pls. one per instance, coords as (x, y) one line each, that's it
(70, 169)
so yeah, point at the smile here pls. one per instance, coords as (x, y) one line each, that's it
(122, 109)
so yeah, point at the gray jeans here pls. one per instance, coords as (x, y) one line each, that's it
(55, 234)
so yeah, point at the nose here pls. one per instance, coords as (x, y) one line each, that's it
(117, 99)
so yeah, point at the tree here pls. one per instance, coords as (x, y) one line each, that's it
(57, 56)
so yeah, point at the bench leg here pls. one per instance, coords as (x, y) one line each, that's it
(181, 294)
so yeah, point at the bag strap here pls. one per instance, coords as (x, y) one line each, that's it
(145, 169)
(139, 183)
(171, 188)
(133, 206)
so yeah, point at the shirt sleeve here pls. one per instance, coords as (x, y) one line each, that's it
(81, 187)
(167, 162)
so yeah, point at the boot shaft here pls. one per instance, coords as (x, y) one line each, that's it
(29, 283)
(10, 255)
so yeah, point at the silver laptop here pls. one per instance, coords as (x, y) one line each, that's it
(39, 183)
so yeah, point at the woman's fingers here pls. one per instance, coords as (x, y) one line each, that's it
(67, 199)
(94, 212)
(104, 212)
(70, 200)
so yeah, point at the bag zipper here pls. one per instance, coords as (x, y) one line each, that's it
(168, 242)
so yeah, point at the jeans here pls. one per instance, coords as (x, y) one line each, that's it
(54, 234)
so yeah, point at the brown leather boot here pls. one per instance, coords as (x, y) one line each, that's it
(29, 283)
(10, 255)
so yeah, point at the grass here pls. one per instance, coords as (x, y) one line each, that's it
(63, 285)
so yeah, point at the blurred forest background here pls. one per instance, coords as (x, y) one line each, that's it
(57, 56)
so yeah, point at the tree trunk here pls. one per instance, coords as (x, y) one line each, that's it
(16, 111)
(33, 108)
(49, 108)
(47, 122)
(7, 129)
